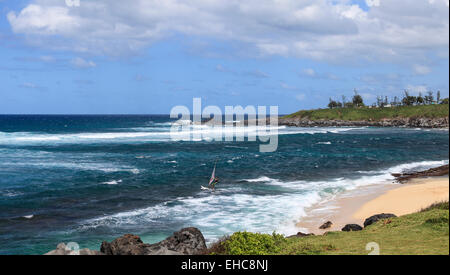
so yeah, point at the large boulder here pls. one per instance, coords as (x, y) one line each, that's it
(187, 241)
(62, 249)
(301, 235)
(326, 225)
(126, 245)
(352, 227)
(376, 218)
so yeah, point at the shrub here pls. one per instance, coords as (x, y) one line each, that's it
(245, 243)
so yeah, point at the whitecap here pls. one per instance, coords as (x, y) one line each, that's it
(113, 182)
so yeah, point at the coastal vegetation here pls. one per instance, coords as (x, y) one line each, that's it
(425, 232)
(383, 101)
(374, 114)
(421, 106)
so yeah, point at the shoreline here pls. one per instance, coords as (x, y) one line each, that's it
(353, 207)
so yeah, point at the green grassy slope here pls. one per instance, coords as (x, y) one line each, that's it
(375, 114)
(421, 233)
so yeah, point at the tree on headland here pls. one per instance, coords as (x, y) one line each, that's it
(379, 101)
(420, 100)
(409, 100)
(334, 104)
(383, 101)
(357, 100)
(429, 99)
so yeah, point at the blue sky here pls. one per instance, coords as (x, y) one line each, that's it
(115, 58)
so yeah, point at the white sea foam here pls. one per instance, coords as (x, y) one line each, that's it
(73, 165)
(149, 134)
(113, 182)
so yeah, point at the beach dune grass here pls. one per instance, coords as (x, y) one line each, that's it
(374, 114)
(426, 232)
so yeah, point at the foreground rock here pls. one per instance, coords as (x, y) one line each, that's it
(326, 225)
(352, 227)
(187, 241)
(301, 235)
(376, 218)
(433, 172)
(62, 249)
(126, 245)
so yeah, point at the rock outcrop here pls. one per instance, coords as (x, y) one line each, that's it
(126, 245)
(433, 172)
(301, 235)
(352, 227)
(188, 241)
(63, 249)
(326, 225)
(376, 218)
(395, 122)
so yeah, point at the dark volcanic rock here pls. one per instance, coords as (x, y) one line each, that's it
(433, 172)
(301, 235)
(188, 241)
(376, 218)
(352, 227)
(326, 225)
(126, 245)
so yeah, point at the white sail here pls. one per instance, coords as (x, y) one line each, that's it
(213, 176)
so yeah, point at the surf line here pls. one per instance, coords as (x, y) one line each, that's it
(258, 125)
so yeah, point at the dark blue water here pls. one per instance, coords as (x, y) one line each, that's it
(87, 179)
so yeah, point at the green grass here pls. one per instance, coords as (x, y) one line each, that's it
(375, 114)
(426, 232)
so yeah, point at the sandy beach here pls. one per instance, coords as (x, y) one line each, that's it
(357, 205)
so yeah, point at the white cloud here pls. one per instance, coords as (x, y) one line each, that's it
(287, 86)
(313, 74)
(421, 69)
(47, 59)
(300, 97)
(29, 85)
(81, 63)
(316, 29)
(309, 72)
(373, 3)
(416, 89)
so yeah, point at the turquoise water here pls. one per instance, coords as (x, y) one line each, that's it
(87, 179)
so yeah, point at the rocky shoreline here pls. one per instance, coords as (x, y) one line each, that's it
(397, 122)
(433, 172)
(187, 241)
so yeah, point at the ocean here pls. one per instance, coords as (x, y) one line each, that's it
(87, 179)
